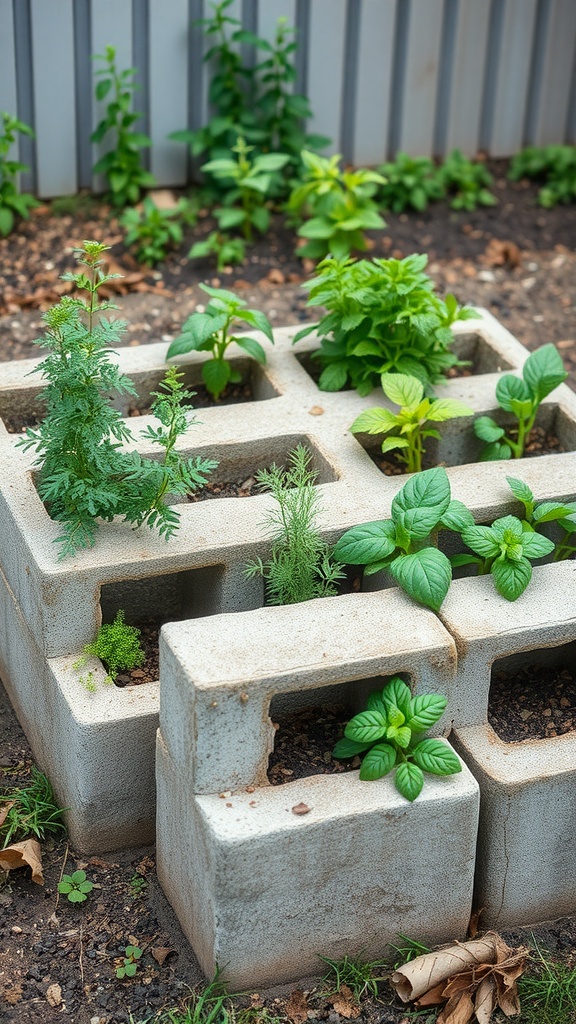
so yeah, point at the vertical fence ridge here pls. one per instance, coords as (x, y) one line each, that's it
(83, 84)
(25, 91)
(536, 71)
(445, 75)
(350, 78)
(401, 29)
(570, 132)
(141, 62)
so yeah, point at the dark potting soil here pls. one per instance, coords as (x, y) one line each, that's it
(534, 702)
(246, 487)
(304, 742)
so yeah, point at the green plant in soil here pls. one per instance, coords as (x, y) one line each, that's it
(13, 203)
(211, 331)
(117, 645)
(554, 165)
(505, 549)
(228, 251)
(537, 514)
(382, 316)
(301, 566)
(152, 230)
(129, 965)
(358, 975)
(407, 429)
(410, 181)
(467, 181)
(85, 471)
(547, 990)
(521, 397)
(29, 811)
(248, 181)
(334, 207)
(121, 165)
(407, 951)
(388, 735)
(75, 887)
(405, 544)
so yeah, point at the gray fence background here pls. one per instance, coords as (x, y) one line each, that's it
(382, 75)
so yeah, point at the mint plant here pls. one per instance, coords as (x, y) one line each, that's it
(211, 331)
(85, 472)
(122, 165)
(75, 887)
(228, 251)
(405, 543)
(253, 180)
(505, 549)
(12, 201)
(382, 317)
(536, 514)
(117, 645)
(129, 964)
(407, 429)
(152, 230)
(542, 372)
(554, 165)
(409, 181)
(467, 181)
(301, 566)
(388, 734)
(336, 206)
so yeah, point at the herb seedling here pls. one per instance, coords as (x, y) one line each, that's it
(12, 202)
(542, 372)
(228, 251)
(211, 332)
(407, 429)
(337, 206)
(382, 317)
(33, 811)
(504, 549)
(252, 180)
(122, 165)
(402, 544)
(152, 230)
(117, 645)
(301, 566)
(130, 962)
(538, 513)
(75, 886)
(410, 181)
(138, 885)
(555, 165)
(388, 735)
(85, 473)
(468, 182)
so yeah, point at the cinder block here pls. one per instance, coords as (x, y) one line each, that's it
(526, 860)
(261, 892)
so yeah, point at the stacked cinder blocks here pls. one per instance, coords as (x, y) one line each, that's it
(50, 609)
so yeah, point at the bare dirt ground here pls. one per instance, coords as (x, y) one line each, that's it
(58, 960)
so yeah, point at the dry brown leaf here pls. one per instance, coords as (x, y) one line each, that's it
(13, 994)
(160, 953)
(345, 1004)
(301, 809)
(297, 1007)
(18, 855)
(500, 253)
(4, 810)
(458, 1010)
(485, 1000)
(54, 994)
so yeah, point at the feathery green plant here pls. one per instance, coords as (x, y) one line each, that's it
(301, 566)
(86, 473)
(117, 645)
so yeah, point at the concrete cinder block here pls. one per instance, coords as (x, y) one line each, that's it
(261, 892)
(526, 860)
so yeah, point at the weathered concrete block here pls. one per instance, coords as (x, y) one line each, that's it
(526, 860)
(261, 892)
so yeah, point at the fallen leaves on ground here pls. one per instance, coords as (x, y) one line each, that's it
(297, 1007)
(345, 1004)
(18, 855)
(469, 978)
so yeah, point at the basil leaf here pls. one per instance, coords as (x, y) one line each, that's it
(534, 545)
(429, 489)
(349, 748)
(482, 541)
(367, 727)
(487, 430)
(425, 710)
(435, 757)
(511, 389)
(378, 762)
(424, 575)
(370, 542)
(543, 371)
(397, 694)
(511, 578)
(409, 780)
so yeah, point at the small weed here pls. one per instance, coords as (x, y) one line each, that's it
(129, 964)
(357, 974)
(34, 811)
(75, 886)
(118, 647)
(12, 202)
(466, 181)
(138, 885)
(208, 1006)
(407, 951)
(554, 165)
(152, 230)
(410, 181)
(228, 251)
(548, 990)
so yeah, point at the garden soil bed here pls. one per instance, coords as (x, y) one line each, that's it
(57, 960)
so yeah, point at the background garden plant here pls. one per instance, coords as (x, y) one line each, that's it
(538, 513)
(553, 165)
(467, 181)
(409, 182)
(152, 231)
(13, 203)
(227, 250)
(117, 645)
(252, 181)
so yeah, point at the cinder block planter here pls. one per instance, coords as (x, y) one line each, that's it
(258, 889)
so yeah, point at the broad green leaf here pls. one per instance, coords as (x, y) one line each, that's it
(402, 389)
(482, 541)
(511, 390)
(487, 430)
(425, 575)
(333, 377)
(222, 294)
(252, 347)
(390, 443)
(493, 452)
(349, 748)
(374, 421)
(367, 348)
(221, 168)
(456, 560)
(425, 710)
(436, 758)
(507, 528)
(511, 578)
(259, 320)
(397, 694)
(400, 734)
(418, 522)
(409, 780)
(534, 545)
(448, 409)
(272, 161)
(229, 217)
(543, 371)
(521, 491)
(549, 511)
(375, 702)
(317, 227)
(367, 727)
(430, 489)
(379, 760)
(457, 517)
(216, 374)
(369, 542)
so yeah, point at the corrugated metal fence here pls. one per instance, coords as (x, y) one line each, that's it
(382, 75)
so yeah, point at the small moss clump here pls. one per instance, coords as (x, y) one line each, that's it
(117, 645)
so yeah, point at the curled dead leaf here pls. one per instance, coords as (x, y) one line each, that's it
(18, 855)
(161, 953)
(297, 1007)
(345, 1004)
(4, 810)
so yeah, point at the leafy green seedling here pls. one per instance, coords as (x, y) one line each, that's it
(402, 544)
(388, 735)
(12, 201)
(337, 206)
(153, 230)
(383, 316)
(130, 963)
(228, 251)
(117, 645)
(538, 513)
(410, 181)
(211, 332)
(75, 886)
(467, 181)
(407, 429)
(301, 566)
(138, 885)
(358, 975)
(505, 549)
(542, 372)
(555, 165)
(253, 180)
(32, 811)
